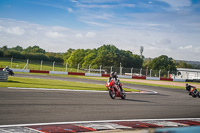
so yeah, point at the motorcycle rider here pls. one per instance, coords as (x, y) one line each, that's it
(117, 81)
(6, 69)
(188, 88)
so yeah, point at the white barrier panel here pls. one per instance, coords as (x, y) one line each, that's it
(21, 70)
(179, 80)
(125, 77)
(93, 74)
(152, 78)
(58, 72)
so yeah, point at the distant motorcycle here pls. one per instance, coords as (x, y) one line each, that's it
(192, 91)
(10, 72)
(114, 90)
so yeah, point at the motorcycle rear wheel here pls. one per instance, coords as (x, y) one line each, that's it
(112, 93)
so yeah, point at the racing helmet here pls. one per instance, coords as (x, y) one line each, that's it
(7, 67)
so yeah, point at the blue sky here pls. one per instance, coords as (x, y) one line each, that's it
(169, 27)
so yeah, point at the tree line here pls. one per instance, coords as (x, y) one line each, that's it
(31, 53)
(106, 55)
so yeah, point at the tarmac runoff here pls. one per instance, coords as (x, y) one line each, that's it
(183, 125)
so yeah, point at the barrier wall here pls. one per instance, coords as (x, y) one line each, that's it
(179, 80)
(153, 78)
(102, 75)
(138, 77)
(93, 74)
(125, 76)
(74, 73)
(21, 70)
(58, 72)
(38, 71)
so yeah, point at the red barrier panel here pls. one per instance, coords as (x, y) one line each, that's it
(74, 73)
(38, 71)
(166, 79)
(138, 77)
(105, 75)
(1, 68)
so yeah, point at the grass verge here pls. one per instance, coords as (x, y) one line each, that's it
(53, 84)
(130, 82)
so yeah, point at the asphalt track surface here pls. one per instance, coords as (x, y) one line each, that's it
(26, 106)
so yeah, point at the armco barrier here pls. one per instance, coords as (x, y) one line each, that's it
(166, 79)
(105, 75)
(125, 76)
(153, 78)
(58, 72)
(21, 70)
(179, 80)
(138, 77)
(39, 71)
(93, 74)
(74, 73)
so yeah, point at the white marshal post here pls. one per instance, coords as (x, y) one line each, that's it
(53, 65)
(11, 62)
(41, 65)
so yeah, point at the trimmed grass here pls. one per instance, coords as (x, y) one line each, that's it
(53, 84)
(130, 82)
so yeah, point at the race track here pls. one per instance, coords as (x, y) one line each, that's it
(25, 106)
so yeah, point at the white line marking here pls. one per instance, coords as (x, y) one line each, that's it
(99, 121)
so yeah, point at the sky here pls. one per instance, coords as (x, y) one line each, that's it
(162, 27)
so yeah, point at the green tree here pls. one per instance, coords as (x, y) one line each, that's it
(182, 64)
(76, 58)
(163, 63)
(4, 48)
(34, 49)
(18, 48)
(67, 54)
(146, 63)
(107, 55)
(89, 58)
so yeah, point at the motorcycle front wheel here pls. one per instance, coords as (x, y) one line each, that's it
(123, 95)
(112, 93)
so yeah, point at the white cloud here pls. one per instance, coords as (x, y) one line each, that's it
(90, 34)
(70, 9)
(178, 3)
(186, 47)
(54, 34)
(79, 36)
(13, 30)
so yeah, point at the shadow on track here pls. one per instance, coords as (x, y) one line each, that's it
(134, 100)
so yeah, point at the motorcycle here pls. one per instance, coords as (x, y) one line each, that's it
(192, 91)
(10, 72)
(114, 90)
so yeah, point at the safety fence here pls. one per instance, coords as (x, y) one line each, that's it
(141, 73)
(97, 75)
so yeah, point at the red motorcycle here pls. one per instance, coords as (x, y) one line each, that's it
(114, 90)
